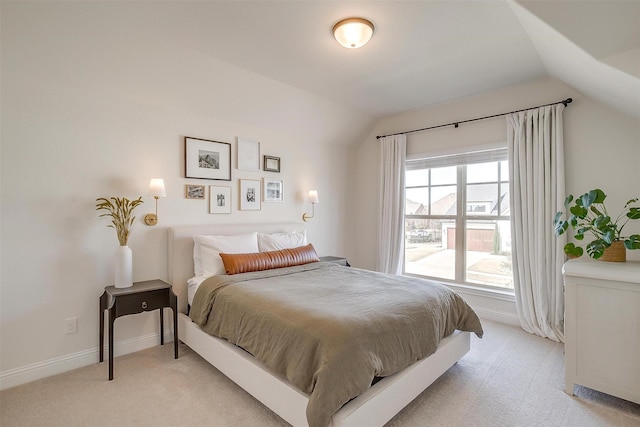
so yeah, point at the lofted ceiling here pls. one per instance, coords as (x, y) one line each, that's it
(422, 52)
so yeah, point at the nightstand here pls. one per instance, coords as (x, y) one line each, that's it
(142, 296)
(336, 259)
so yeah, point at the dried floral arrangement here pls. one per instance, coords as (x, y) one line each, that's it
(120, 209)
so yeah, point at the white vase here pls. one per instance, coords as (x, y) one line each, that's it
(123, 267)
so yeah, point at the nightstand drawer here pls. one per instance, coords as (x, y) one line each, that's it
(139, 302)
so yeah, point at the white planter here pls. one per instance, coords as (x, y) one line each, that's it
(123, 267)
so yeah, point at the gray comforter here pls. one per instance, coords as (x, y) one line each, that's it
(331, 329)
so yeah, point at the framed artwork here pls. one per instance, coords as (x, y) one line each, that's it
(194, 191)
(249, 195)
(219, 200)
(248, 155)
(207, 159)
(271, 164)
(273, 190)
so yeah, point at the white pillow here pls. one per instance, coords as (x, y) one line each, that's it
(277, 241)
(206, 251)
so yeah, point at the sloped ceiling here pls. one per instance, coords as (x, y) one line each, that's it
(592, 46)
(422, 52)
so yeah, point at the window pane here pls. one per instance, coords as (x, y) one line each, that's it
(504, 203)
(417, 177)
(482, 199)
(416, 201)
(428, 251)
(444, 200)
(488, 254)
(482, 172)
(504, 170)
(441, 176)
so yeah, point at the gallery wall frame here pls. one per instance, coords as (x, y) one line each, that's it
(273, 190)
(271, 164)
(250, 196)
(219, 199)
(206, 159)
(248, 154)
(194, 191)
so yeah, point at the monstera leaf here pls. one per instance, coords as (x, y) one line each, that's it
(588, 216)
(633, 242)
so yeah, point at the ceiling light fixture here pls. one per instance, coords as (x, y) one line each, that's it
(353, 33)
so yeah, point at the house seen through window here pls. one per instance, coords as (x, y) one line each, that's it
(469, 245)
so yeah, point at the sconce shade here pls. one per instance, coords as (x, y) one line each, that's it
(313, 199)
(313, 196)
(156, 188)
(353, 33)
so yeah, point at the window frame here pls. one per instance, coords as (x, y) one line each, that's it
(461, 160)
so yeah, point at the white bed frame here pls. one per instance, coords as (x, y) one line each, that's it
(374, 407)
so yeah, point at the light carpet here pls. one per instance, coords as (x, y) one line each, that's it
(509, 378)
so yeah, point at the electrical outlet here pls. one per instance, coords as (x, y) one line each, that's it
(70, 326)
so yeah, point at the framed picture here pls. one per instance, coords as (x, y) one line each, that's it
(219, 200)
(194, 191)
(248, 155)
(249, 195)
(271, 164)
(273, 190)
(207, 159)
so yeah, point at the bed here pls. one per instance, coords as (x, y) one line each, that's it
(373, 407)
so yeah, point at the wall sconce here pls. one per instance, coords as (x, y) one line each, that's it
(156, 189)
(313, 199)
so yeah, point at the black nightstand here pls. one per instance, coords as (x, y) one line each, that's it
(336, 259)
(142, 296)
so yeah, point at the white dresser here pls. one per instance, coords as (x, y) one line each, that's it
(602, 327)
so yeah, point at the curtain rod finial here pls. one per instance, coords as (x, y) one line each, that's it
(567, 101)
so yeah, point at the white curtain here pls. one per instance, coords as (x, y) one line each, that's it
(391, 198)
(536, 176)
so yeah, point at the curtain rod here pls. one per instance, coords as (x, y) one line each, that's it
(455, 124)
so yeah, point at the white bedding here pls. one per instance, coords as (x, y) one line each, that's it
(207, 248)
(193, 285)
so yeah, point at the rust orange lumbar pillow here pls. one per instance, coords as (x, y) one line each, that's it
(245, 263)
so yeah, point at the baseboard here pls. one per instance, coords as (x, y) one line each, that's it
(58, 365)
(498, 316)
(68, 362)
(499, 307)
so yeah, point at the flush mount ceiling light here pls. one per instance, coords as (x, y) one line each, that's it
(353, 33)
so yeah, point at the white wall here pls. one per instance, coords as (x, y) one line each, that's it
(93, 105)
(602, 149)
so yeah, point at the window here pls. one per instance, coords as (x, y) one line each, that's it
(471, 245)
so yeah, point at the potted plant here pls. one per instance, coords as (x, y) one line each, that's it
(588, 216)
(120, 209)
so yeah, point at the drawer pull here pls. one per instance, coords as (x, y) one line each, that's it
(144, 304)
